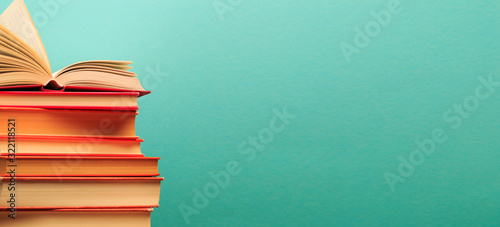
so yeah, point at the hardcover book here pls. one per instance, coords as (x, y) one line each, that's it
(70, 155)
(64, 217)
(70, 145)
(124, 101)
(23, 60)
(79, 192)
(81, 123)
(76, 166)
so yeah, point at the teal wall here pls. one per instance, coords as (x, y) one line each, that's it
(360, 104)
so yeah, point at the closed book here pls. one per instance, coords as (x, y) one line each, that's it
(132, 217)
(39, 121)
(125, 101)
(69, 145)
(35, 166)
(79, 192)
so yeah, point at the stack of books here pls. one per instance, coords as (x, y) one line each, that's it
(69, 154)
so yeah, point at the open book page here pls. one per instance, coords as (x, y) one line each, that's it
(120, 67)
(18, 20)
(97, 74)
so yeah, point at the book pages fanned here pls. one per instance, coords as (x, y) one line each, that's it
(24, 62)
(18, 20)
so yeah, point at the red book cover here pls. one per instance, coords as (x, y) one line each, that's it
(97, 108)
(64, 209)
(66, 88)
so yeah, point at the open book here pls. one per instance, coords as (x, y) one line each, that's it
(23, 60)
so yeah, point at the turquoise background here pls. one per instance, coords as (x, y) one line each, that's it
(215, 82)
